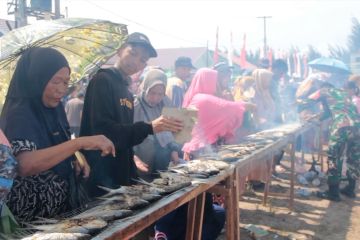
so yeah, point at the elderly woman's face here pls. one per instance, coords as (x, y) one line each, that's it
(56, 88)
(155, 95)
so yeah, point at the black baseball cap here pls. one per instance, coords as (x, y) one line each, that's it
(184, 62)
(222, 67)
(141, 39)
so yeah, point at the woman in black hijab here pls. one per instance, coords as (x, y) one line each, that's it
(34, 120)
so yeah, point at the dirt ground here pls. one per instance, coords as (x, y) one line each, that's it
(311, 219)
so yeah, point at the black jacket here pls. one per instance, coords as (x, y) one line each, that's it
(109, 110)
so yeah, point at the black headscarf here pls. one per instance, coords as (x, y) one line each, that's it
(24, 116)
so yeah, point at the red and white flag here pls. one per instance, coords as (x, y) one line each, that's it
(243, 61)
(216, 51)
(306, 67)
(270, 56)
(230, 50)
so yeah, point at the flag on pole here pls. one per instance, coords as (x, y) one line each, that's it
(243, 61)
(299, 64)
(270, 56)
(306, 67)
(295, 62)
(230, 51)
(288, 61)
(216, 51)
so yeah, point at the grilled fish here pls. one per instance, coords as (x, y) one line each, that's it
(169, 181)
(125, 201)
(218, 164)
(107, 212)
(84, 225)
(140, 188)
(203, 167)
(133, 192)
(58, 236)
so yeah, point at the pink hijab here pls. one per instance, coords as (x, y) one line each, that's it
(204, 81)
(217, 117)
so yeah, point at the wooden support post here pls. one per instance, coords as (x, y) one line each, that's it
(191, 219)
(320, 152)
(199, 215)
(235, 197)
(230, 208)
(292, 173)
(268, 179)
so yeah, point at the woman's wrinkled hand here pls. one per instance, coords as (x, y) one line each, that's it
(140, 165)
(81, 165)
(97, 142)
(163, 123)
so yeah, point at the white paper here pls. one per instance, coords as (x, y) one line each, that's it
(189, 119)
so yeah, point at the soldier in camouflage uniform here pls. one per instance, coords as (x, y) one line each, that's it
(344, 142)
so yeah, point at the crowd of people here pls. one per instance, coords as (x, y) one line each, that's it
(124, 136)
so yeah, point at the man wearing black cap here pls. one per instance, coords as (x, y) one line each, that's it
(178, 84)
(224, 75)
(109, 110)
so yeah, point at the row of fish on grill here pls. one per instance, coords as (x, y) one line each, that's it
(253, 143)
(120, 203)
(115, 204)
(212, 163)
(201, 168)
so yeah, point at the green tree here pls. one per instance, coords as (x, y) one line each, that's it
(313, 53)
(341, 53)
(354, 37)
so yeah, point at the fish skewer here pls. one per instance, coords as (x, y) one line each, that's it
(84, 225)
(58, 236)
(146, 194)
(125, 201)
(107, 212)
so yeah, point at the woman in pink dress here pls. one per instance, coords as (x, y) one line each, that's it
(218, 119)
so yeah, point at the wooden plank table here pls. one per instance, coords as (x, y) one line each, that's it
(194, 195)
